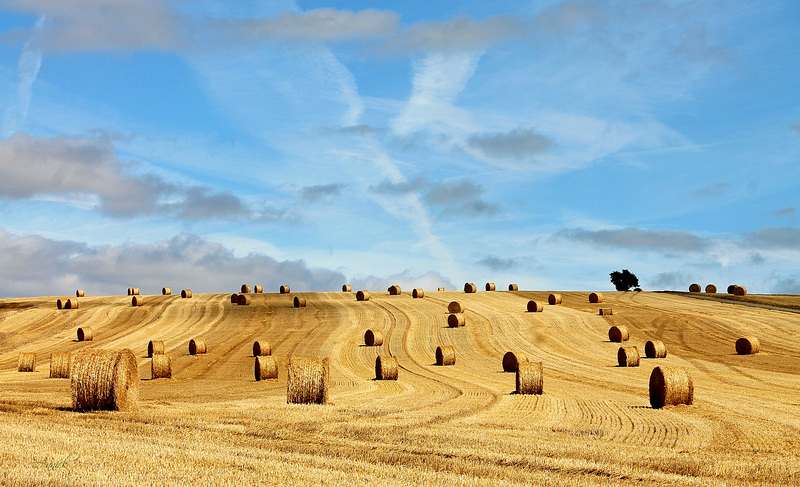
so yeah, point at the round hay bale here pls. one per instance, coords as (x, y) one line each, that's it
(456, 307)
(284, 289)
(373, 338)
(245, 288)
(85, 334)
(61, 303)
(418, 293)
(137, 301)
(739, 291)
(26, 362)
(637, 289)
(655, 349)
(261, 348)
(266, 367)
(258, 289)
(511, 361)
(79, 293)
(130, 291)
(445, 355)
(628, 356)
(441, 288)
(470, 287)
(669, 386)
(134, 291)
(711, 289)
(186, 293)
(513, 287)
(166, 291)
(386, 368)
(619, 334)
(554, 299)
(362, 296)
(243, 300)
(455, 320)
(299, 302)
(155, 347)
(535, 306)
(308, 380)
(104, 379)
(234, 298)
(394, 290)
(694, 288)
(490, 286)
(731, 288)
(606, 311)
(197, 346)
(72, 303)
(60, 364)
(347, 288)
(748, 345)
(529, 378)
(161, 367)
(595, 298)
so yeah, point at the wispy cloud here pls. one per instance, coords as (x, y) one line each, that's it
(669, 280)
(497, 263)
(789, 211)
(713, 190)
(457, 34)
(456, 198)
(635, 238)
(321, 192)
(30, 61)
(773, 238)
(518, 144)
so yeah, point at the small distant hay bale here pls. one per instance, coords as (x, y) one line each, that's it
(454, 320)
(606, 311)
(739, 291)
(731, 288)
(529, 378)
(134, 291)
(85, 334)
(161, 367)
(26, 362)
(362, 296)
(266, 367)
(748, 345)
(669, 386)
(79, 293)
(308, 380)
(554, 299)
(60, 364)
(284, 289)
(694, 288)
(595, 298)
(373, 338)
(511, 360)
(197, 346)
(470, 287)
(655, 349)
(72, 303)
(490, 286)
(347, 288)
(513, 287)
(619, 334)
(186, 293)
(137, 301)
(262, 348)
(418, 293)
(166, 291)
(130, 291)
(61, 303)
(711, 289)
(299, 302)
(245, 288)
(441, 288)
(155, 347)
(104, 379)
(535, 306)
(243, 300)
(456, 307)
(386, 368)
(637, 289)
(394, 290)
(258, 289)
(628, 356)
(445, 355)
(235, 298)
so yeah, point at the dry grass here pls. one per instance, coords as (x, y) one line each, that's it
(308, 380)
(104, 379)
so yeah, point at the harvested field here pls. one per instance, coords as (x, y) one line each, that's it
(213, 423)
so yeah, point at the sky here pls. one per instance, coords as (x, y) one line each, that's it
(206, 144)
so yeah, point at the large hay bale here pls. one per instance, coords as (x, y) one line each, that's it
(535, 306)
(512, 359)
(60, 363)
(628, 356)
(694, 288)
(445, 355)
(554, 299)
(739, 291)
(513, 287)
(373, 338)
(299, 302)
(418, 293)
(347, 288)
(618, 334)
(394, 290)
(26, 362)
(79, 293)
(161, 367)
(595, 298)
(166, 291)
(72, 303)
(245, 288)
(470, 287)
(285, 289)
(137, 301)
(243, 300)
(266, 367)
(308, 380)
(456, 307)
(529, 378)
(490, 286)
(258, 289)
(748, 345)
(386, 368)
(197, 346)
(261, 348)
(61, 303)
(669, 386)
(186, 293)
(85, 334)
(456, 319)
(711, 289)
(731, 288)
(104, 379)
(155, 347)
(606, 311)
(362, 296)
(235, 298)
(655, 349)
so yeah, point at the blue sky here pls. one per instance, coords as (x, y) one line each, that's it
(206, 144)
